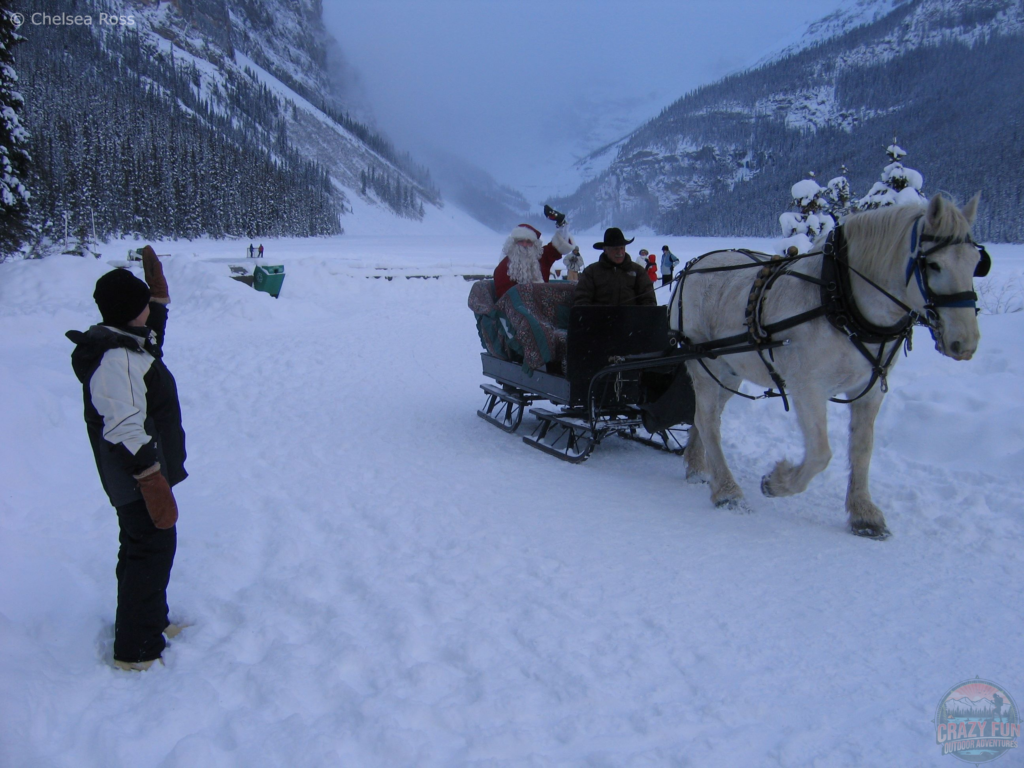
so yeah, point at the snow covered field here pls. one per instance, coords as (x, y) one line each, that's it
(377, 577)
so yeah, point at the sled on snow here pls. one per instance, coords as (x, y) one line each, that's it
(601, 370)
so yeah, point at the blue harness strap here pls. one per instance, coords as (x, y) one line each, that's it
(915, 267)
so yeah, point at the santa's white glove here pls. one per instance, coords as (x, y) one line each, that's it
(562, 240)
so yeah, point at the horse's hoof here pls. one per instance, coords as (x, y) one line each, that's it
(697, 478)
(739, 506)
(870, 531)
(766, 487)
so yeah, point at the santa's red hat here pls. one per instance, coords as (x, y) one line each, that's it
(526, 232)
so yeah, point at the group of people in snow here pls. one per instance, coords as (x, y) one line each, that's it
(254, 252)
(614, 279)
(669, 261)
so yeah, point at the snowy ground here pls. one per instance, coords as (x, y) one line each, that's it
(377, 577)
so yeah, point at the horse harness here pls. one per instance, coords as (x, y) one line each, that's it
(837, 306)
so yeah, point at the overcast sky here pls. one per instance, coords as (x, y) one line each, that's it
(519, 86)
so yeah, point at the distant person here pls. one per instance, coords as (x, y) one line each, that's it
(133, 419)
(652, 267)
(252, 251)
(668, 265)
(614, 279)
(573, 264)
(525, 260)
(260, 251)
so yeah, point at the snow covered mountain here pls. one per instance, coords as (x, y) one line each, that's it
(237, 117)
(943, 76)
(475, 191)
(840, 21)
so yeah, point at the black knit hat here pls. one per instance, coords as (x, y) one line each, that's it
(121, 297)
(612, 237)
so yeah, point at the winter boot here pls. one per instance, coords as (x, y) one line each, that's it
(136, 666)
(173, 630)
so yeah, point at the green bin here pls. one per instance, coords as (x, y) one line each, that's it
(268, 279)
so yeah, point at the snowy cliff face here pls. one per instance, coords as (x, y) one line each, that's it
(941, 75)
(282, 45)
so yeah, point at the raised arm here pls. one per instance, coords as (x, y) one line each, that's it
(158, 295)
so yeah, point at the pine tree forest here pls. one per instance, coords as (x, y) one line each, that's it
(14, 156)
(123, 145)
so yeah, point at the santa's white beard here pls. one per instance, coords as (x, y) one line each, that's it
(524, 262)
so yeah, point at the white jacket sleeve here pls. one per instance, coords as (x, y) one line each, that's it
(118, 391)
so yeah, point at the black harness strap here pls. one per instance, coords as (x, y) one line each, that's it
(767, 392)
(837, 297)
(754, 255)
(770, 267)
(843, 313)
(781, 325)
(837, 305)
(879, 370)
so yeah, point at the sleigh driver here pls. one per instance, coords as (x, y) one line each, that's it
(525, 260)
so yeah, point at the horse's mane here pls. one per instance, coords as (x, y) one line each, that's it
(880, 239)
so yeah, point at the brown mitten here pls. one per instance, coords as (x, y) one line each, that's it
(158, 497)
(154, 272)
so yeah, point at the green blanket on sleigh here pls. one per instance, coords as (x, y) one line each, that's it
(528, 324)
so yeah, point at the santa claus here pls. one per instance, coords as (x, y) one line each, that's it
(526, 260)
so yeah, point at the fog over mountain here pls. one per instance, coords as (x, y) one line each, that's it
(523, 89)
(945, 77)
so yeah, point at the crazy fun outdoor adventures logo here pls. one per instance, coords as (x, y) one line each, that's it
(977, 721)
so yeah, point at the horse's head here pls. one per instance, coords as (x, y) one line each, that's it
(944, 267)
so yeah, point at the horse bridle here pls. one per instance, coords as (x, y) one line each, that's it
(918, 265)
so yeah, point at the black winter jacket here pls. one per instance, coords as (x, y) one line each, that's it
(616, 285)
(131, 404)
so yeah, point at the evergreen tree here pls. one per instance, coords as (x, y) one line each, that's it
(14, 156)
(811, 219)
(838, 195)
(899, 185)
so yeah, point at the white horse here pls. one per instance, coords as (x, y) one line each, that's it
(923, 257)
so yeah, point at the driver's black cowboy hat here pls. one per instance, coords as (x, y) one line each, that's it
(613, 237)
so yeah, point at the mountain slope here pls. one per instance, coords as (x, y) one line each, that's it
(944, 76)
(201, 117)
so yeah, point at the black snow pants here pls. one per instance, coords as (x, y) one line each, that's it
(666, 279)
(143, 570)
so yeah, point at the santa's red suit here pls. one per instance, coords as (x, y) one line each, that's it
(559, 246)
